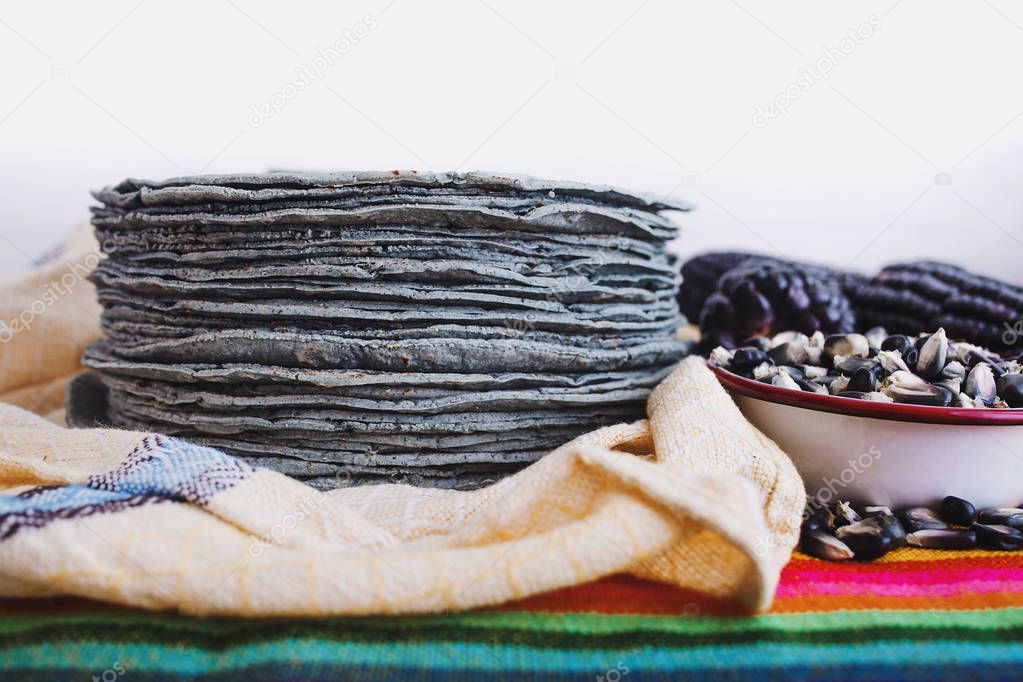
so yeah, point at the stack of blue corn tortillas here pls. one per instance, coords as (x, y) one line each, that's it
(438, 329)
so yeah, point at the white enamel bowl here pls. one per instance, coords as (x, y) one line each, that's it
(889, 454)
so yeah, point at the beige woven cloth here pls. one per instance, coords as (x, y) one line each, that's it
(693, 496)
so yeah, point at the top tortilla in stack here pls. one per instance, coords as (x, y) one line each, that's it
(439, 329)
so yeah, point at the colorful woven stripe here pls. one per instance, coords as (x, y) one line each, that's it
(915, 615)
(159, 469)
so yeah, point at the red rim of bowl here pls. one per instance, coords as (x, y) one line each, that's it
(866, 408)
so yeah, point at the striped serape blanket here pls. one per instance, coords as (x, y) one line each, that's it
(914, 615)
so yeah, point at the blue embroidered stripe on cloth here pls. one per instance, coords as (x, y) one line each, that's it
(160, 469)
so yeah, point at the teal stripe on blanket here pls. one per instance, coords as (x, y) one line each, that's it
(497, 658)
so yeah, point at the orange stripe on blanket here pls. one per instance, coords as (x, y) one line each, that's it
(626, 595)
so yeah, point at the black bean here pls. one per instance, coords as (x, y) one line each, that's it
(850, 364)
(957, 511)
(824, 546)
(745, 359)
(811, 386)
(1005, 516)
(933, 354)
(951, 538)
(920, 518)
(899, 342)
(817, 517)
(858, 395)
(852, 345)
(872, 537)
(930, 395)
(894, 530)
(1010, 389)
(862, 381)
(973, 358)
(946, 397)
(788, 353)
(879, 371)
(997, 537)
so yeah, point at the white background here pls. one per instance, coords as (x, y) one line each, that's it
(911, 148)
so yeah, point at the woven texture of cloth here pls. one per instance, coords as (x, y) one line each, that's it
(48, 315)
(694, 497)
(913, 615)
